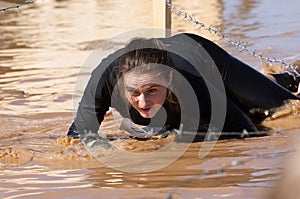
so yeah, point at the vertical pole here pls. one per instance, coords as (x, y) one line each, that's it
(168, 19)
(162, 16)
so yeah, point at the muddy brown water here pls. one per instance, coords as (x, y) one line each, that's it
(41, 52)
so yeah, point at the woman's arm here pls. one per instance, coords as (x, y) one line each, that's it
(96, 99)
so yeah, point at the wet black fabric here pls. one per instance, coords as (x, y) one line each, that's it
(244, 85)
(287, 81)
(200, 61)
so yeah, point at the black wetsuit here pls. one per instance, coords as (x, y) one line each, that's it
(248, 93)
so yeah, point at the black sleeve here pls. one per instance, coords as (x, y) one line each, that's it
(96, 99)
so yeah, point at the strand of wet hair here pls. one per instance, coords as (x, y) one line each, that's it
(16, 6)
(221, 170)
(240, 45)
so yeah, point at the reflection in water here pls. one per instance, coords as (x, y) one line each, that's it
(34, 180)
(41, 52)
(265, 26)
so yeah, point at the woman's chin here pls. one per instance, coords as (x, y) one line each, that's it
(147, 114)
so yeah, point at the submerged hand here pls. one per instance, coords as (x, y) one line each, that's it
(93, 139)
(144, 132)
(134, 130)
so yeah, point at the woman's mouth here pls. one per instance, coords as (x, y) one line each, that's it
(145, 109)
(148, 112)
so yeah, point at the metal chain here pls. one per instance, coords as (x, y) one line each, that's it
(242, 46)
(244, 134)
(16, 6)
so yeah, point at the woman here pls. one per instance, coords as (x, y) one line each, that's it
(146, 83)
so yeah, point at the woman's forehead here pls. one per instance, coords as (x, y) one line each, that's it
(134, 80)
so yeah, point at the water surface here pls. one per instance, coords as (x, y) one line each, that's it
(41, 52)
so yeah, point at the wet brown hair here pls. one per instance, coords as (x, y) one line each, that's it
(146, 56)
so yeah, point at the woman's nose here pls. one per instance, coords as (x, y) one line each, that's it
(143, 101)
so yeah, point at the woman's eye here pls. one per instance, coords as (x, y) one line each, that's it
(135, 94)
(153, 90)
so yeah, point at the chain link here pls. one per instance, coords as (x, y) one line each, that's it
(244, 134)
(242, 46)
(16, 6)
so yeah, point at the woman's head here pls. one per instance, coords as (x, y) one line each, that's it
(145, 75)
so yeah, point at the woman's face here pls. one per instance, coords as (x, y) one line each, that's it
(146, 93)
